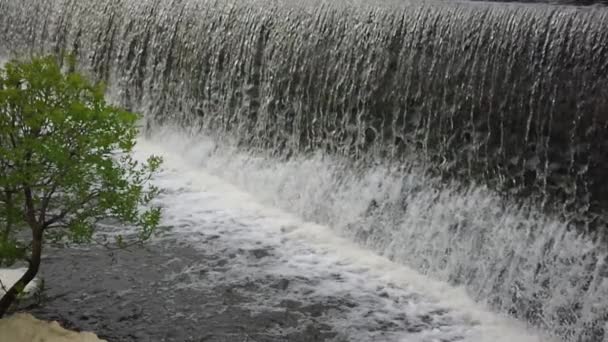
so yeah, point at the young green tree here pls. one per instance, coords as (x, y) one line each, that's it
(65, 164)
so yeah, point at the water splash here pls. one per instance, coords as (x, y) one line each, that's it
(512, 257)
(369, 297)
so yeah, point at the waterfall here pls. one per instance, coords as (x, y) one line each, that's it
(468, 139)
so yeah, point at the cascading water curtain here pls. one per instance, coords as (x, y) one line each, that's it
(490, 122)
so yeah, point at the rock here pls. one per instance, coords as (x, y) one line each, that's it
(25, 328)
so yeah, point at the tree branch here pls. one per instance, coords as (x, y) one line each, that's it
(59, 217)
(45, 202)
(9, 214)
(30, 212)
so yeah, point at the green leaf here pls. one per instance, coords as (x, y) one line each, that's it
(65, 158)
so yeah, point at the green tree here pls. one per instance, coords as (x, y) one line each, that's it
(65, 164)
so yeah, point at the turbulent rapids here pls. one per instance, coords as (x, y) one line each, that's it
(465, 140)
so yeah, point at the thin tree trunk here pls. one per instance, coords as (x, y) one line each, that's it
(9, 215)
(34, 264)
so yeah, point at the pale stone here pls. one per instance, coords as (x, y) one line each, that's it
(25, 328)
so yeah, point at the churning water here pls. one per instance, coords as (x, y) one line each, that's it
(465, 140)
(385, 301)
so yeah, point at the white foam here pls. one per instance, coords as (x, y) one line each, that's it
(8, 278)
(197, 201)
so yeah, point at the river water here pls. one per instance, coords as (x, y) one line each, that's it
(378, 300)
